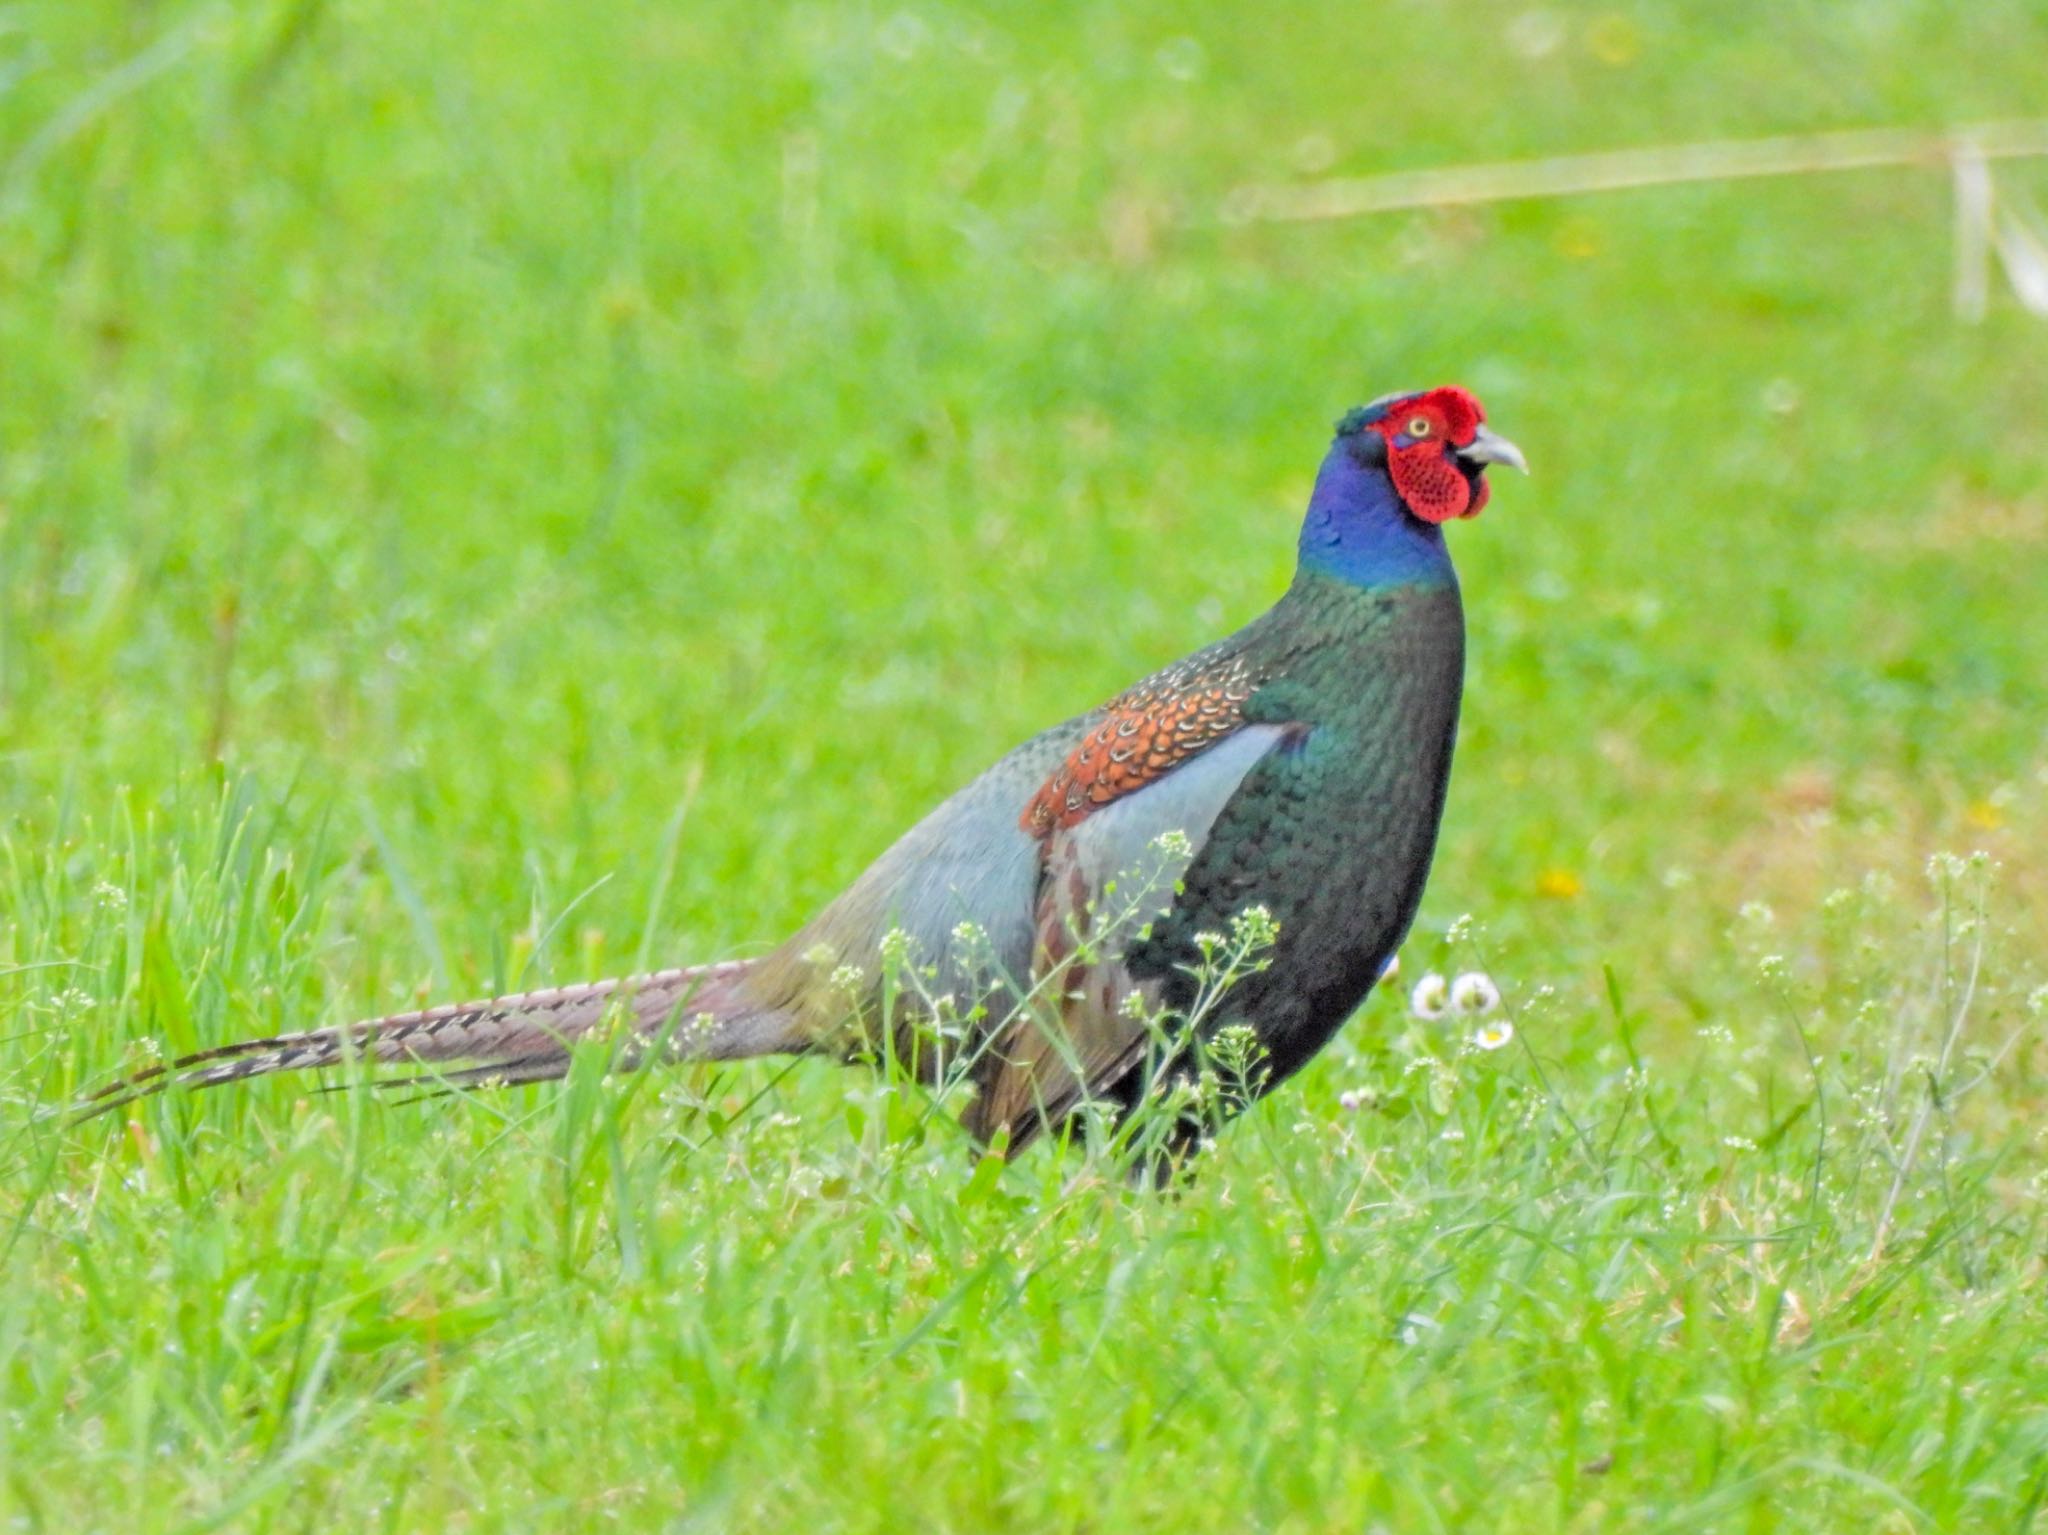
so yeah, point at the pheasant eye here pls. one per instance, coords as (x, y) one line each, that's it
(1418, 426)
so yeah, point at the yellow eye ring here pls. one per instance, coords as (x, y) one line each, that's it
(1418, 426)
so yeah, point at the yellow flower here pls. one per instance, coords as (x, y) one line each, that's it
(1559, 884)
(1614, 40)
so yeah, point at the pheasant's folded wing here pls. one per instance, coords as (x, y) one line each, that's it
(1110, 865)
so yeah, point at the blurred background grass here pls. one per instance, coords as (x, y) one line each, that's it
(479, 443)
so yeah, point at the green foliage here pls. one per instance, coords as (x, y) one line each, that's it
(498, 494)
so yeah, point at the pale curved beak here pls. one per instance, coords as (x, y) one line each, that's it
(1492, 448)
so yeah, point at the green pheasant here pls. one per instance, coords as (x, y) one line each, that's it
(1058, 913)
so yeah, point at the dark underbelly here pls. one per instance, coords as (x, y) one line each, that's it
(1334, 836)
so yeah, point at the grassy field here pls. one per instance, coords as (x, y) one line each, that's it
(503, 493)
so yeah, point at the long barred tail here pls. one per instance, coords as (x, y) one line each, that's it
(699, 1012)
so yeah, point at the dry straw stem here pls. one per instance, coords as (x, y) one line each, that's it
(1615, 170)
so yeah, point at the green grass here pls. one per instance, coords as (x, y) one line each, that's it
(499, 493)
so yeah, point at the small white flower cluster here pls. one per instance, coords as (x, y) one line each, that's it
(1471, 995)
(1944, 868)
(1254, 928)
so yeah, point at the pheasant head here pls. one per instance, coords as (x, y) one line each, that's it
(1437, 450)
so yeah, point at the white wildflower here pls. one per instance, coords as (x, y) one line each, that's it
(1492, 1036)
(1942, 867)
(1254, 928)
(1534, 34)
(699, 1029)
(1431, 998)
(1474, 993)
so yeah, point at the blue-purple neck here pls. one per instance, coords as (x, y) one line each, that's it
(1357, 530)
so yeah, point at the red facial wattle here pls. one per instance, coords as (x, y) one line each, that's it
(1430, 485)
(1421, 435)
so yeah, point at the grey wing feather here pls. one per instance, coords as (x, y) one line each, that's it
(969, 860)
(1081, 1037)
